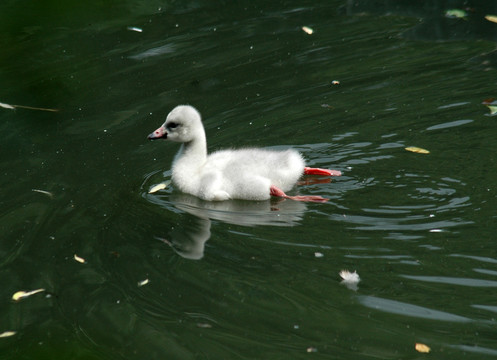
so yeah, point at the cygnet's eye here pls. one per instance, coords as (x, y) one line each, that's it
(172, 125)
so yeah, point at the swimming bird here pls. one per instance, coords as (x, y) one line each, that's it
(246, 174)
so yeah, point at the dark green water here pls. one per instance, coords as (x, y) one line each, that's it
(241, 280)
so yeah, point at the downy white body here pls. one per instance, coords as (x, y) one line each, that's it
(227, 174)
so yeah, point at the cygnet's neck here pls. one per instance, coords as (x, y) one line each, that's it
(194, 152)
(194, 149)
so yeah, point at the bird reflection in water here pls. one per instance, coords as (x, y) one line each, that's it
(189, 237)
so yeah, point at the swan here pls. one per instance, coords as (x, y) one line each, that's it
(246, 174)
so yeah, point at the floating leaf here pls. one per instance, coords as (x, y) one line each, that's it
(143, 282)
(7, 334)
(307, 30)
(491, 103)
(79, 259)
(160, 186)
(204, 325)
(493, 109)
(456, 14)
(417, 150)
(7, 106)
(422, 348)
(13, 107)
(157, 188)
(134, 28)
(49, 194)
(491, 18)
(24, 294)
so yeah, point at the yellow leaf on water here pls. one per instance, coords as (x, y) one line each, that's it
(493, 109)
(7, 334)
(143, 282)
(79, 259)
(422, 348)
(456, 13)
(417, 150)
(23, 294)
(157, 187)
(491, 18)
(307, 30)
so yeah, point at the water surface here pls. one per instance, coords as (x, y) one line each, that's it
(253, 280)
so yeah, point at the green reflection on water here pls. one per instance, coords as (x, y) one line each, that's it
(250, 288)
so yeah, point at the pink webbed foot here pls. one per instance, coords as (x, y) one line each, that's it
(274, 191)
(319, 171)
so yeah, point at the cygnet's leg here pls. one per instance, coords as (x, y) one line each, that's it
(319, 171)
(275, 191)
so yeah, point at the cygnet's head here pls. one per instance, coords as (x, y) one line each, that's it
(183, 124)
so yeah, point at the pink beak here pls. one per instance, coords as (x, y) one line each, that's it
(160, 133)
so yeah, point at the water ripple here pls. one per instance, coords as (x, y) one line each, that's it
(486, 307)
(402, 308)
(485, 271)
(478, 258)
(475, 349)
(449, 124)
(453, 280)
